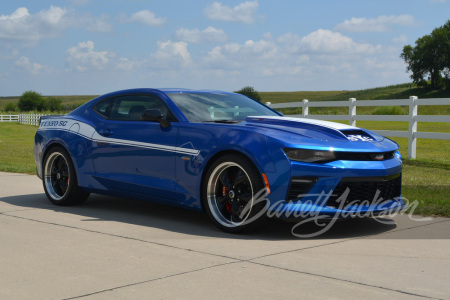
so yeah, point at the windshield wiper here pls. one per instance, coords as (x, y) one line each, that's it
(227, 121)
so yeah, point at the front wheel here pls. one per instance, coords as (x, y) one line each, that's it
(234, 194)
(60, 180)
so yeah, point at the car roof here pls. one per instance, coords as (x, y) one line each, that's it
(164, 90)
(181, 90)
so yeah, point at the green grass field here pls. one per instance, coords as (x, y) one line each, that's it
(16, 148)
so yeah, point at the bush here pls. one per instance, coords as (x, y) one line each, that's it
(389, 110)
(10, 107)
(31, 100)
(53, 104)
(250, 92)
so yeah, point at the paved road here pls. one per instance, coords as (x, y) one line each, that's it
(113, 248)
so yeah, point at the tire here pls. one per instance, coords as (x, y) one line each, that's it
(234, 194)
(60, 180)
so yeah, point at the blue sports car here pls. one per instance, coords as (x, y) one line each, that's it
(223, 153)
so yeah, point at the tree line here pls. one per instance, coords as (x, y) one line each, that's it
(34, 101)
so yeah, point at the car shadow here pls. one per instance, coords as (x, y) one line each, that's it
(141, 213)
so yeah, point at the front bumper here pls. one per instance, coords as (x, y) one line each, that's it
(339, 190)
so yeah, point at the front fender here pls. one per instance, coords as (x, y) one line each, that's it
(211, 140)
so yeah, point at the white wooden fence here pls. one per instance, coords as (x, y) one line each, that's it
(413, 102)
(9, 118)
(28, 119)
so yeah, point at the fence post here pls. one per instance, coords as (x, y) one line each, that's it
(352, 111)
(305, 108)
(412, 141)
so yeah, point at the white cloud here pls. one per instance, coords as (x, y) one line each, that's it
(207, 35)
(125, 64)
(171, 55)
(252, 56)
(25, 64)
(326, 41)
(83, 57)
(291, 60)
(145, 17)
(23, 26)
(244, 12)
(379, 24)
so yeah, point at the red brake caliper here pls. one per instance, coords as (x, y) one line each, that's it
(228, 204)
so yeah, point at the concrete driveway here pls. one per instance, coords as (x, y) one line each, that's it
(112, 248)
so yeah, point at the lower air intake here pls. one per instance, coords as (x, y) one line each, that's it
(299, 187)
(366, 189)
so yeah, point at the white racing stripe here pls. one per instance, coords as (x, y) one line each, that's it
(328, 124)
(88, 132)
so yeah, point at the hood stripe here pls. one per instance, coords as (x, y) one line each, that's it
(327, 124)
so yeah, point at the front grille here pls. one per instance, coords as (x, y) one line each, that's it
(299, 187)
(365, 189)
(361, 156)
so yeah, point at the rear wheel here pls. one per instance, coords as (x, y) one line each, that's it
(60, 180)
(234, 194)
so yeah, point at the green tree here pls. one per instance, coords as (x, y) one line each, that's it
(249, 92)
(53, 104)
(429, 58)
(10, 107)
(31, 100)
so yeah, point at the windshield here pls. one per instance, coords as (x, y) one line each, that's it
(209, 107)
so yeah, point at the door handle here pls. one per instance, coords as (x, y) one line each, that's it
(105, 132)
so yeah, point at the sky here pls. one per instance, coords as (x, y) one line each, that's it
(91, 47)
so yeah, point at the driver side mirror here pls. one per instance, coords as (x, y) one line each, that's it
(155, 115)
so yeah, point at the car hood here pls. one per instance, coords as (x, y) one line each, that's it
(316, 129)
(322, 134)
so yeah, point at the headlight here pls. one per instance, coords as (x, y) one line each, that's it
(310, 156)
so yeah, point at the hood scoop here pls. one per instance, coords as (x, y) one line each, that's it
(358, 136)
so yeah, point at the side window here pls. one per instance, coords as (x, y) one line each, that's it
(130, 108)
(104, 108)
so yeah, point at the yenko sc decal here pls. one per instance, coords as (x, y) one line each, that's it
(56, 123)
